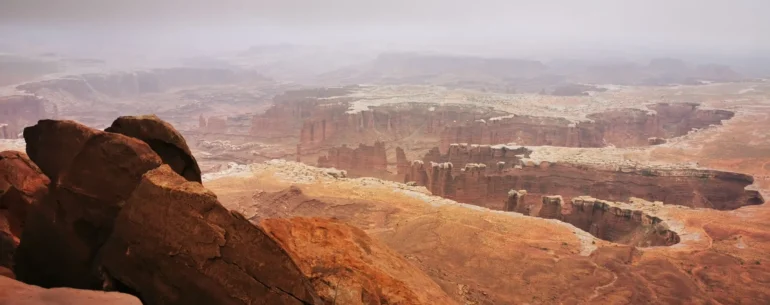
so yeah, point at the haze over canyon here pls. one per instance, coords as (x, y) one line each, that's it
(400, 152)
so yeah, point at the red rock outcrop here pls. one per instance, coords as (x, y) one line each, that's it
(13, 292)
(17, 112)
(362, 161)
(92, 174)
(22, 184)
(485, 186)
(163, 139)
(372, 273)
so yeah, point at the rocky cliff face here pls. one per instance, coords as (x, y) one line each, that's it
(321, 119)
(119, 216)
(491, 156)
(19, 111)
(622, 128)
(488, 186)
(524, 130)
(362, 161)
(611, 221)
(391, 122)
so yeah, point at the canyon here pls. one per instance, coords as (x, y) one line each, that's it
(320, 120)
(466, 249)
(398, 191)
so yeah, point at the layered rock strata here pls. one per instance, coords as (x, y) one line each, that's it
(494, 157)
(612, 221)
(488, 186)
(621, 128)
(365, 160)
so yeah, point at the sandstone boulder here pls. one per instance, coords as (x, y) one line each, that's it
(21, 185)
(13, 292)
(345, 266)
(166, 141)
(174, 243)
(92, 174)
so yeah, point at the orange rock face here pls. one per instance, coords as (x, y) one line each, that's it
(17, 112)
(13, 292)
(358, 162)
(372, 273)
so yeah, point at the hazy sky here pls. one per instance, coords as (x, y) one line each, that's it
(702, 25)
